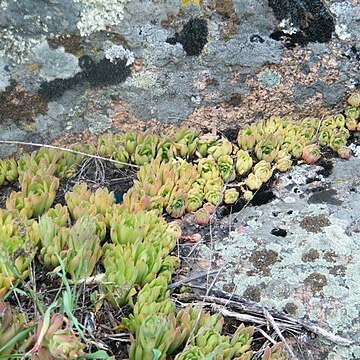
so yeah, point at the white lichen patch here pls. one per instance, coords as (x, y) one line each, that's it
(15, 47)
(116, 52)
(97, 15)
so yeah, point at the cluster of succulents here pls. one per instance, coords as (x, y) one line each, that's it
(198, 330)
(18, 242)
(78, 246)
(139, 252)
(53, 339)
(142, 148)
(36, 196)
(99, 205)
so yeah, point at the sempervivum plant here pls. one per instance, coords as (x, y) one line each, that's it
(19, 238)
(12, 324)
(56, 340)
(8, 171)
(153, 298)
(36, 196)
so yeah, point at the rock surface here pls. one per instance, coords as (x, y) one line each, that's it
(65, 65)
(300, 252)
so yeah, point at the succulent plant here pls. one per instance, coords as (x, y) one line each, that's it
(344, 152)
(127, 265)
(351, 124)
(18, 241)
(153, 298)
(230, 196)
(84, 250)
(53, 240)
(263, 171)
(166, 149)
(206, 141)
(208, 168)
(60, 215)
(191, 353)
(267, 148)
(311, 153)
(177, 203)
(81, 201)
(11, 324)
(8, 171)
(202, 217)
(185, 142)
(36, 196)
(244, 162)
(352, 113)
(297, 149)
(337, 140)
(226, 169)
(253, 182)
(214, 190)
(220, 148)
(145, 151)
(56, 340)
(276, 352)
(283, 161)
(246, 138)
(154, 335)
(354, 100)
(195, 198)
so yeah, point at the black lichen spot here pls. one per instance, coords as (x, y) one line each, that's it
(313, 19)
(279, 232)
(316, 281)
(327, 167)
(193, 37)
(256, 39)
(98, 74)
(263, 196)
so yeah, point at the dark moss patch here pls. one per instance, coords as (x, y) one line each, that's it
(252, 293)
(316, 281)
(234, 101)
(291, 308)
(330, 256)
(338, 270)
(18, 105)
(193, 37)
(98, 74)
(263, 259)
(323, 195)
(310, 256)
(315, 223)
(313, 19)
(71, 44)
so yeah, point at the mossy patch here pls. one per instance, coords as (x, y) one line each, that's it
(315, 223)
(316, 281)
(18, 105)
(262, 260)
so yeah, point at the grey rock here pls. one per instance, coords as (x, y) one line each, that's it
(55, 63)
(332, 93)
(4, 75)
(302, 93)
